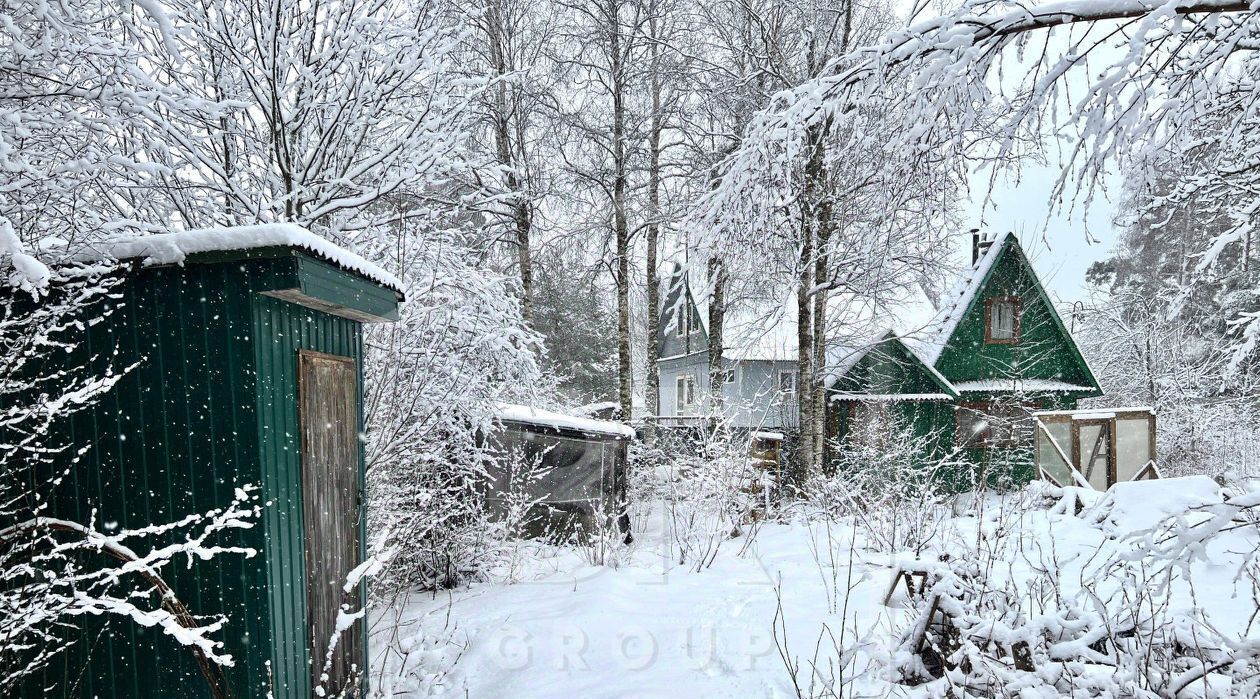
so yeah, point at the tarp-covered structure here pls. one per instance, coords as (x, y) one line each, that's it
(562, 475)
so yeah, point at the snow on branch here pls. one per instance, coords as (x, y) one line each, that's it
(48, 581)
(1099, 86)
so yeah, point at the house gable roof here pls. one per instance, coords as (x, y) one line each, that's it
(675, 294)
(940, 348)
(957, 339)
(891, 367)
(959, 301)
(765, 329)
(750, 331)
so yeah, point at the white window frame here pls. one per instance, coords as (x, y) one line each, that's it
(684, 386)
(685, 320)
(998, 309)
(791, 388)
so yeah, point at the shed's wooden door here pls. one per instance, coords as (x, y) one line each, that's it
(328, 397)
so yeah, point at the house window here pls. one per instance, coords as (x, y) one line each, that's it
(685, 387)
(787, 382)
(987, 425)
(686, 320)
(727, 375)
(1001, 320)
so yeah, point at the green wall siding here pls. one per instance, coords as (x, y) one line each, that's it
(1043, 351)
(211, 405)
(174, 437)
(280, 330)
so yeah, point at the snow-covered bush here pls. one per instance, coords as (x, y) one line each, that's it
(707, 487)
(896, 487)
(1036, 605)
(431, 390)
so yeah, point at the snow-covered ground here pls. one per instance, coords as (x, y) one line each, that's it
(552, 624)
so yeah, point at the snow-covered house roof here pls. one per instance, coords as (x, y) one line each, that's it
(765, 328)
(920, 326)
(752, 328)
(856, 326)
(176, 247)
(936, 332)
(1020, 385)
(888, 344)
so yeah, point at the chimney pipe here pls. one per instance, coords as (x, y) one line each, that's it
(975, 245)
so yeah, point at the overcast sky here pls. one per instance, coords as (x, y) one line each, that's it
(1064, 245)
(1061, 249)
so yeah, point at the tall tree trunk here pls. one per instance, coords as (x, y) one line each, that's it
(717, 315)
(651, 388)
(496, 38)
(524, 259)
(806, 374)
(621, 227)
(822, 273)
(818, 390)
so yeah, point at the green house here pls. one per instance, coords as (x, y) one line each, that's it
(247, 345)
(963, 387)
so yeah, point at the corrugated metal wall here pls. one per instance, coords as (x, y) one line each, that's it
(281, 329)
(210, 406)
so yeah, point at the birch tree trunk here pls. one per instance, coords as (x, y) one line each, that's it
(717, 315)
(651, 389)
(621, 227)
(823, 276)
(818, 390)
(805, 316)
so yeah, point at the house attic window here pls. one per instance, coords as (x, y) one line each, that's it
(686, 321)
(1001, 320)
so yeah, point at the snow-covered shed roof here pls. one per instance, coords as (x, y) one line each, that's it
(175, 247)
(529, 415)
(1091, 413)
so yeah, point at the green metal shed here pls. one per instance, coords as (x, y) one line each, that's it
(248, 349)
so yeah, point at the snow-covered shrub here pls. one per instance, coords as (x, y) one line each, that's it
(705, 483)
(895, 487)
(1037, 605)
(431, 388)
(602, 543)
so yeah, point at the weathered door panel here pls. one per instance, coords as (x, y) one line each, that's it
(328, 403)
